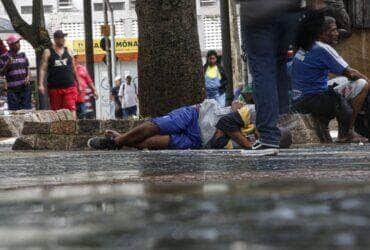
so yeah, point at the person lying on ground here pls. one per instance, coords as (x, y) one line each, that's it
(206, 126)
(313, 93)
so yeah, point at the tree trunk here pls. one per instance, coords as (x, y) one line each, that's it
(170, 65)
(235, 45)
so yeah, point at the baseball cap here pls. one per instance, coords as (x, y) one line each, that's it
(59, 34)
(13, 39)
(118, 78)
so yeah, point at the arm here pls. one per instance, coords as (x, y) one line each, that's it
(75, 71)
(239, 138)
(353, 74)
(5, 62)
(43, 69)
(91, 84)
(28, 75)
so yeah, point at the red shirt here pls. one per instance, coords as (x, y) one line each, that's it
(84, 79)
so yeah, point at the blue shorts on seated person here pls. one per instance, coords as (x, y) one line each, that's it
(182, 125)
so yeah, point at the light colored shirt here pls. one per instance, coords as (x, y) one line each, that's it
(128, 93)
(210, 112)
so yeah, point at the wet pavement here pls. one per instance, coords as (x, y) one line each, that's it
(308, 198)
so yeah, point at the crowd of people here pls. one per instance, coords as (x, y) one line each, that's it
(281, 85)
(312, 79)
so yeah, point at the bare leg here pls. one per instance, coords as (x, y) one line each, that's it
(74, 114)
(156, 142)
(357, 104)
(137, 135)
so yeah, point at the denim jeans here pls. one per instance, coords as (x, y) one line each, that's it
(266, 46)
(20, 97)
(128, 112)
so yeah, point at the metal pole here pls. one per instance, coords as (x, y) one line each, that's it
(89, 42)
(113, 40)
(226, 48)
(109, 53)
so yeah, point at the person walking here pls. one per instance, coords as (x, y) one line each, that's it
(58, 65)
(269, 30)
(86, 82)
(215, 78)
(116, 99)
(129, 98)
(14, 65)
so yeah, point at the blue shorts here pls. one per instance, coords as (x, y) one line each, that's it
(182, 125)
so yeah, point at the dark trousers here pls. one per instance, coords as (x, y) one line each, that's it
(128, 112)
(81, 110)
(266, 46)
(19, 98)
(325, 107)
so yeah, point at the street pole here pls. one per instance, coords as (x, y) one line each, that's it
(226, 48)
(89, 42)
(108, 50)
(113, 40)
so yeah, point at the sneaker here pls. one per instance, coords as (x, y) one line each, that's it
(102, 143)
(258, 145)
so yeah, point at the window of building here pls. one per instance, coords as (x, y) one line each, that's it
(28, 9)
(207, 2)
(65, 3)
(132, 4)
(115, 6)
(212, 32)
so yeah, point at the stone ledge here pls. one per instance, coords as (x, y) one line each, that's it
(66, 134)
(12, 125)
(73, 135)
(302, 128)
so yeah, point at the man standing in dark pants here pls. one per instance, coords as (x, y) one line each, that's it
(14, 66)
(268, 31)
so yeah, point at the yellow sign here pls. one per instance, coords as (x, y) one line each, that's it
(123, 45)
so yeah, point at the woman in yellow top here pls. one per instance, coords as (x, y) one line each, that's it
(215, 78)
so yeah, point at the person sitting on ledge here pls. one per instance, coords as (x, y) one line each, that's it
(313, 93)
(206, 126)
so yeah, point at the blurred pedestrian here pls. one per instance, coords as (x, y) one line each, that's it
(269, 29)
(14, 66)
(129, 98)
(116, 99)
(215, 78)
(58, 65)
(86, 82)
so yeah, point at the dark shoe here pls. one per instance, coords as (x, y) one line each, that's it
(258, 145)
(102, 143)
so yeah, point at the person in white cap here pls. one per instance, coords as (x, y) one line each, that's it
(128, 94)
(14, 66)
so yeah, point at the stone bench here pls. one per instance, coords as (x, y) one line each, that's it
(73, 135)
(12, 125)
(303, 128)
(67, 135)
